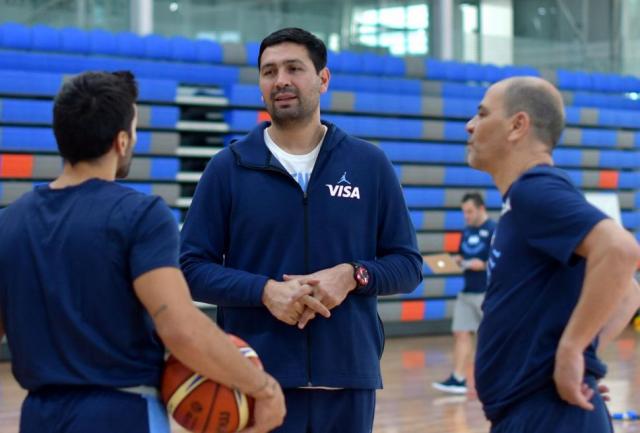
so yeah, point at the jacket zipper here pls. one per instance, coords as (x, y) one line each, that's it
(306, 252)
(306, 271)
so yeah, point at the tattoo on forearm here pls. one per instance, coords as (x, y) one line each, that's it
(162, 308)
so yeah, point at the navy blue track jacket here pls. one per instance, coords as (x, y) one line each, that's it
(250, 221)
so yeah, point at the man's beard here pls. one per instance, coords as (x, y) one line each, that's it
(293, 114)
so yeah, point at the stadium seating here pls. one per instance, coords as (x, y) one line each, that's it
(196, 96)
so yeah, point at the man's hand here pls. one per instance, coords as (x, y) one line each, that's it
(287, 300)
(269, 409)
(473, 264)
(568, 375)
(330, 286)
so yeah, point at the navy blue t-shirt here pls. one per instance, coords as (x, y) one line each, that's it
(475, 244)
(534, 281)
(68, 258)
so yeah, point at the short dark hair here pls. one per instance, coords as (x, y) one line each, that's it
(316, 48)
(89, 112)
(543, 108)
(475, 197)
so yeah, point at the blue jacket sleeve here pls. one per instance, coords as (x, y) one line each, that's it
(397, 267)
(204, 243)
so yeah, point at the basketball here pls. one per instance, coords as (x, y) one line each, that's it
(201, 405)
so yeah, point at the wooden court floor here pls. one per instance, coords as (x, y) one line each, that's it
(408, 404)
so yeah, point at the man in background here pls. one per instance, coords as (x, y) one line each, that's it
(467, 314)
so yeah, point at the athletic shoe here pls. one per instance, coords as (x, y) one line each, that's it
(451, 385)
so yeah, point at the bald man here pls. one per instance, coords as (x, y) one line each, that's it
(560, 273)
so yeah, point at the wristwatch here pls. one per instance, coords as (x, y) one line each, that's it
(360, 274)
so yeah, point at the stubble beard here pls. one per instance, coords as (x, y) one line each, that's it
(287, 117)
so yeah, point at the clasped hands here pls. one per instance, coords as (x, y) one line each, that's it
(299, 298)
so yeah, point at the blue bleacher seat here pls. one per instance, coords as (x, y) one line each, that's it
(351, 62)
(156, 47)
(334, 61)
(143, 145)
(629, 180)
(208, 51)
(45, 38)
(458, 107)
(455, 131)
(463, 90)
(570, 157)
(454, 220)
(435, 69)
(26, 111)
(424, 197)
(453, 286)
(15, 36)
(435, 309)
(244, 95)
(372, 64)
(454, 71)
(465, 176)
(29, 83)
(102, 42)
(164, 117)
(252, 50)
(26, 138)
(393, 66)
(74, 40)
(164, 168)
(144, 188)
(129, 44)
(630, 220)
(474, 72)
(599, 137)
(157, 90)
(182, 49)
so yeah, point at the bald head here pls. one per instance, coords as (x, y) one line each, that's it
(541, 101)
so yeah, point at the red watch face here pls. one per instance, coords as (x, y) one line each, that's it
(362, 276)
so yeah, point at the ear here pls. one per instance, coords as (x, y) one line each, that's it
(520, 126)
(121, 142)
(325, 77)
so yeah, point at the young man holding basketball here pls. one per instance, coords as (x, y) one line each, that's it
(295, 219)
(89, 279)
(560, 273)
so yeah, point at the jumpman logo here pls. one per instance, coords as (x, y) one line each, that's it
(344, 179)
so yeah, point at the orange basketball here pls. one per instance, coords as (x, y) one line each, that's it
(201, 405)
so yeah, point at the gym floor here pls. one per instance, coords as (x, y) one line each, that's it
(409, 404)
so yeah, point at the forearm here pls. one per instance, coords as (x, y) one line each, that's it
(623, 314)
(215, 284)
(606, 283)
(394, 273)
(204, 348)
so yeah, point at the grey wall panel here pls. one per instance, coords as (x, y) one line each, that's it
(433, 130)
(430, 242)
(422, 175)
(169, 192)
(343, 101)
(590, 158)
(234, 54)
(47, 166)
(415, 67)
(572, 136)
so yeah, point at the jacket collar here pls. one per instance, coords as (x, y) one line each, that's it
(251, 150)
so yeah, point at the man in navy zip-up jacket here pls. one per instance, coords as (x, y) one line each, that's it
(296, 219)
